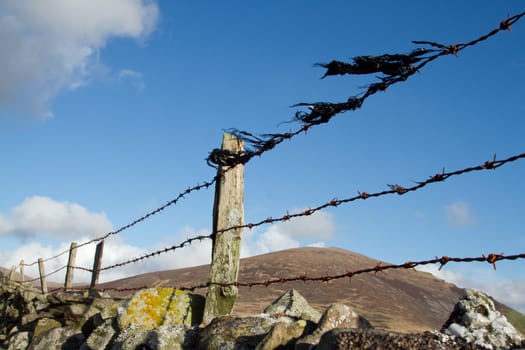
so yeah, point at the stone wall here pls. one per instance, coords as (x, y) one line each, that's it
(165, 318)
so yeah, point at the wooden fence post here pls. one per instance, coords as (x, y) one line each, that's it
(70, 266)
(22, 276)
(228, 211)
(43, 284)
(12, 273)
(96, 264)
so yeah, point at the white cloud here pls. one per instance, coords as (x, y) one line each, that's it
(460, 214)
(317, 244)
(269, 241)
(42, 215)
(133, 77)
(288, 234)
(116, 250)
(50, 46)
(509, 292)
(318, 225)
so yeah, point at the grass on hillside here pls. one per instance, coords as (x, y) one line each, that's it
(517, 319)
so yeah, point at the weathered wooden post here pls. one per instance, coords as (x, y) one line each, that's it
(12, 273)
(70, 266)
(22, 275)
(43, 284)
(96, 264)
(228, 211)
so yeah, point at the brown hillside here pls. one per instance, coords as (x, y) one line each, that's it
(400, 300)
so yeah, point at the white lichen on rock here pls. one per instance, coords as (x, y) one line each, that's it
(476, 320)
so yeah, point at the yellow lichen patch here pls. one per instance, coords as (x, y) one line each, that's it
(153, 307)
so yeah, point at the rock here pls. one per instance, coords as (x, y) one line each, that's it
(101, 336)
(282, 334)
(57, 338)
(335, 316)
(476, 320)
(293, 304)
(19, 340)
(342, 316)
(44, 325)
(166, 337)
(151, 308)
(339, 339)
(227, 332)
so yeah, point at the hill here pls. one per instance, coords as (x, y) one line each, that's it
(399, 300)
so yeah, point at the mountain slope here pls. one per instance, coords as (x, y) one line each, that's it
(399, 300)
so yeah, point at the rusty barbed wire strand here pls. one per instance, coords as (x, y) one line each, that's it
(394, 189)
(491, 258)
(396, 68)
(87, 269)
(181, 195)
(47, 274)
(158, 252)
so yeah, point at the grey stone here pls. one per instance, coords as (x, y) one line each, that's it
(166, 337)
(293, 304)
(282, 334)
(335, 316)
(58, 339)
(476, 320)
(100, 337)
(19, 340)
(346, 339)
(227, 332)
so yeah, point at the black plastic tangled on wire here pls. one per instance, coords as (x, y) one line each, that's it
(395, 68)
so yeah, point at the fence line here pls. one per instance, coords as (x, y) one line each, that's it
(491, 258)
(394, 189)
(397, 68)
(181, 195)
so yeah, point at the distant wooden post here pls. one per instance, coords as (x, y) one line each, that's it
(70, 266)
(96, 264)
(22, 275)
(43, 284)
(228, 211)
(12, 272)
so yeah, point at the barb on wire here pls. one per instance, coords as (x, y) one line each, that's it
(394, 189)
(83, 269)
(379, 267)
(48, 274)
(396, 68)
(158, 252)
(181, 195)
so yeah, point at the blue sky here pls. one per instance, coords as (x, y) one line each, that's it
(108, 111)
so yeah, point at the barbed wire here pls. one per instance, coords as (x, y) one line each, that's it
(396, 68)
(491, 258)
(394, 189)
(47, 274)
(158, 252)
(181, 195)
